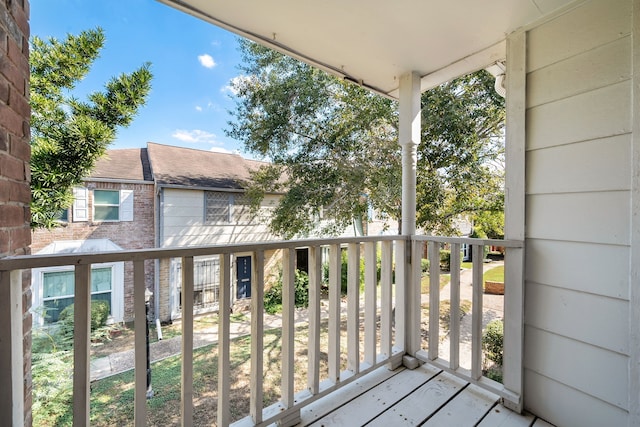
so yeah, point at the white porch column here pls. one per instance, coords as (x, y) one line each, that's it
(409, 138)
(408, 318)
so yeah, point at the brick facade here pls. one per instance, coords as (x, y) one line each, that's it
(15, 151)
(136, 234)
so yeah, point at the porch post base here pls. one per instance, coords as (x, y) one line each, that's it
(410, 362)
(290, 420)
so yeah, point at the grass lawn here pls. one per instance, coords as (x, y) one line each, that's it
(112, 398)
(424, 282)
(495, 274)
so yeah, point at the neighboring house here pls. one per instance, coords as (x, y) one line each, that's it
(201, 201)
(160, 196)
(112, 210)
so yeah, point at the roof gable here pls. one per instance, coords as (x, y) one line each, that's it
(178, 166)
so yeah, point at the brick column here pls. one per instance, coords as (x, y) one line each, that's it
(15, 195)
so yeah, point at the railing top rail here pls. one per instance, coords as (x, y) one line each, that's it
(55, 260)
(77, 258)
(471, 241)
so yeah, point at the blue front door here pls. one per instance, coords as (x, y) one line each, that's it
(243, 277)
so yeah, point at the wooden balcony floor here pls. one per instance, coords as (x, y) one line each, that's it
(424, 396)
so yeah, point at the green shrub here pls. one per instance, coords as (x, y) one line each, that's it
(445, 260)
(492, 341)
(424, 265)
(273, 297)
(99, 315)
(344, 272)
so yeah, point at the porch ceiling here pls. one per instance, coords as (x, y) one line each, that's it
(373, 42)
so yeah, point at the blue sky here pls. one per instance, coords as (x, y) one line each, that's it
(192, 63)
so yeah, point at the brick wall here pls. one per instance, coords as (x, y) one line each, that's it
(14, 155)
(136, 234)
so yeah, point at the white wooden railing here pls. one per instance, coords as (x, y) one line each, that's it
(385, 342)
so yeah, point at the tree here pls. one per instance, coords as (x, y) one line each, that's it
(334, 151)
(69, 135)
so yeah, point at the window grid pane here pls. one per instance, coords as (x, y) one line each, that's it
(106, 197)
(106, 213)
(217, 207)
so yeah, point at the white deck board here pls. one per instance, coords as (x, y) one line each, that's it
(466, 409)
(500, 416)
(364, 408)
(409, 397)
(312, 412)
(427, 399)
(541, 423)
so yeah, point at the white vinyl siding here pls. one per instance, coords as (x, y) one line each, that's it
(578, 181)
(184, 223)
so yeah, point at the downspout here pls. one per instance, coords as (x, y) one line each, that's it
(156, 284)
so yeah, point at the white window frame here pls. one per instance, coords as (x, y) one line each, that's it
(117, 290)
(125, 205)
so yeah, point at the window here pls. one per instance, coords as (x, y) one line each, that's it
(225, 208)
(106, 205)
(58, 290)
(63, 216)
(206, 284)
(112, 205)
(217, 207)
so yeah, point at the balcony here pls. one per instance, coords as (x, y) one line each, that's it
(378, 358)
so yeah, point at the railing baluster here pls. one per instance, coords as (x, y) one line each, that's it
(370, 304)
(140, 328)
(454, 314)
(187, 341)
(315, 281)
(335, 266)
(288, 321)
(386, 281)
(434, 299)
(224, 363)
(402, 298)
(353, 308)
(11, 351)
(257, 340)
(476, 313)
(81, 342)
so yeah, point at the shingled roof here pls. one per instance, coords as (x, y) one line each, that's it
(198, 168)
(123, 164)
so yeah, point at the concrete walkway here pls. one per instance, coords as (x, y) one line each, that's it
(123, 361)
(492, 308)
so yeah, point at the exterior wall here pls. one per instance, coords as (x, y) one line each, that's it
(578, 216)
(136, 234)
(168, 298)
(183, 222)
(15, 153)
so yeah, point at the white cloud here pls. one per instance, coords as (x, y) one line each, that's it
(235, 83)
(195, 135)
(206, 60)
(198, 108)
